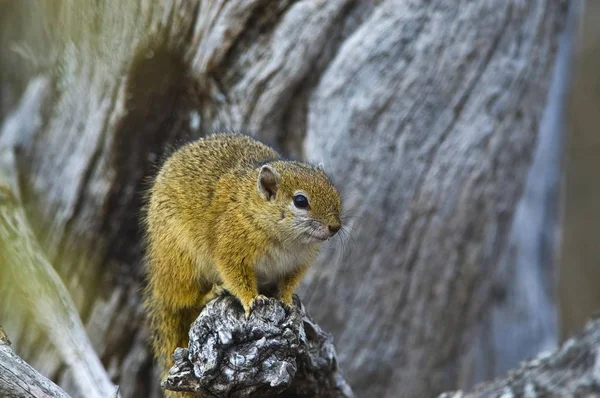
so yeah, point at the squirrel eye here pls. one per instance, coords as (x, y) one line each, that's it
(300, 201)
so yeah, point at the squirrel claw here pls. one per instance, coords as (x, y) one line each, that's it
(289, 305)
(257, 301)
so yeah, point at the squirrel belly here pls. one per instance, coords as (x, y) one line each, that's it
(227, 212)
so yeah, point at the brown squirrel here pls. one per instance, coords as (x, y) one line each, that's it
(227, 212)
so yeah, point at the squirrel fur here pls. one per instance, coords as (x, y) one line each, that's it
(227, 212)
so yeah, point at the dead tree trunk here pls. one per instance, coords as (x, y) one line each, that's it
(18, 379)
(425, 114)
(571, 371)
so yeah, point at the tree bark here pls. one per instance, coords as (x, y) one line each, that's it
(571, 371)
(424, 113)
(275, 352)
(41, 296)
(522, 320)
(18, 379)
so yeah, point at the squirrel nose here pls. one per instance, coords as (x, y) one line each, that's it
(333, 229)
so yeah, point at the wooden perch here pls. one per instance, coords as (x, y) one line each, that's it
(276, 351)
(572, 371)
(281, 350)
(28, 274)
(18, 379)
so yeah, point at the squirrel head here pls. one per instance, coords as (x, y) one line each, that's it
(302, 204)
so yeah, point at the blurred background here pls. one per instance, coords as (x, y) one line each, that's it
(463, 136)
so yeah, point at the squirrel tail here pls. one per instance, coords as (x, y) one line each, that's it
(169, 329)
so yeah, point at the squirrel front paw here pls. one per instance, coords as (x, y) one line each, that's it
(255, 302)
(288, 300)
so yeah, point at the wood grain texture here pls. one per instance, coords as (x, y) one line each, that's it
(38, 292)
(275, 352)
(424, 112)
(570, 371)
(431, 136)
(19, 380)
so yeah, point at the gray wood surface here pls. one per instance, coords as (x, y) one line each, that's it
(275, 352)
(425, 113)
(19, 380)
(40, 296)
(571, 371)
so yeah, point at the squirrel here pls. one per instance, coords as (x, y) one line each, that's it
(227, 212)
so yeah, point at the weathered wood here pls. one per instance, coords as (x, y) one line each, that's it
(571, 371)
(430, 132)
(275, 352)
(19, 380)
(30, 279)
(521, 319)
(425, 114)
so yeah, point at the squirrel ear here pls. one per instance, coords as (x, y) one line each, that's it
(268, 182)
